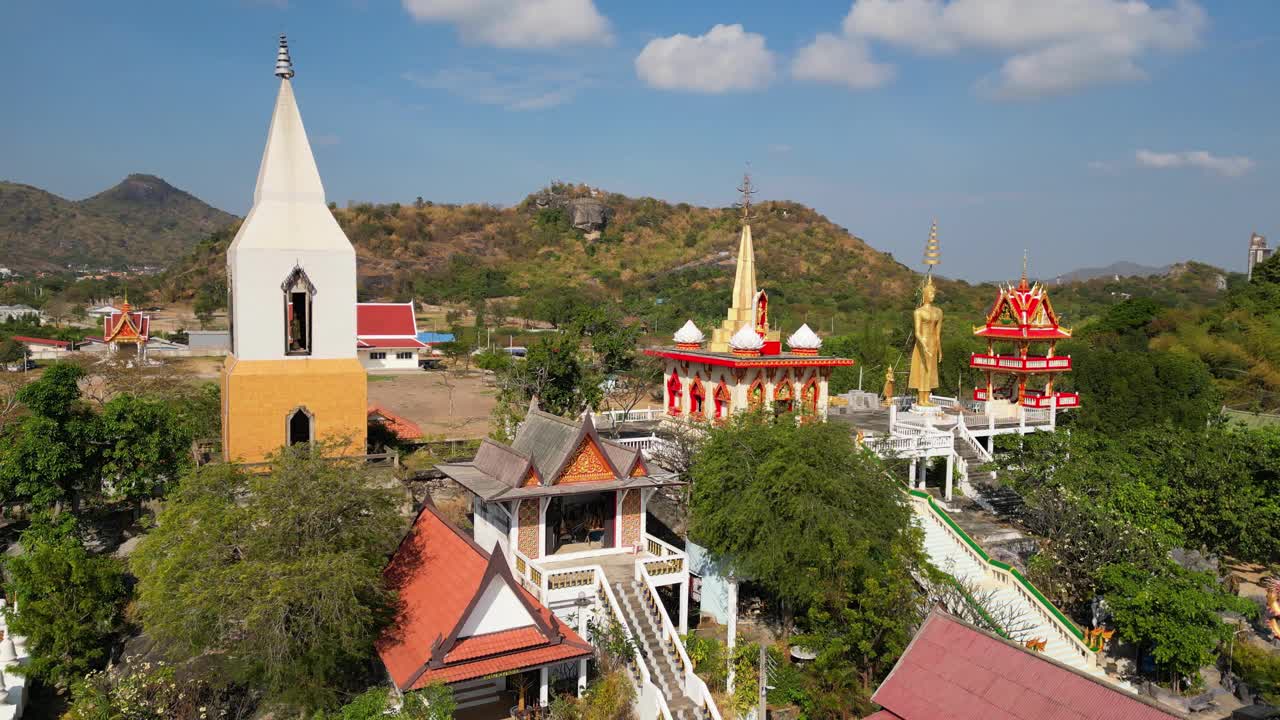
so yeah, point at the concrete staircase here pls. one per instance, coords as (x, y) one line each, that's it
(663, 666)
(946, 554)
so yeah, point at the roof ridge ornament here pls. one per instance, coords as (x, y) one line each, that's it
(932, 254)
(284, 65)
(804, 341)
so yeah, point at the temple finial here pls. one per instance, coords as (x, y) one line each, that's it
(284, 66)
(747, 192)
(932, 255)
(1024, 266)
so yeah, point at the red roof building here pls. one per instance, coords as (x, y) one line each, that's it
(954, 671)
(42, 343)
(125, 327)
(463, 616)
(387, 336)
(403, 427)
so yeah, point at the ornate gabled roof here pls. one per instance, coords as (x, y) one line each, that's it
(551, 456)
(1022, 312)
(126, 326)
(462, 615)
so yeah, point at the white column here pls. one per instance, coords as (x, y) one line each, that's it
(911, 474)
(923, 469)
(684, 605)
(951, 459)
(1053, 412)
(731, 639)
(1022, 418)
(543, 686)
(582, 676)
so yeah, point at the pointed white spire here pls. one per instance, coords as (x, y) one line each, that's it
(689, 337)
(284, 66)
(804, 341)
(288, 171)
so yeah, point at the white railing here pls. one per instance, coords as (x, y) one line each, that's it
(1049, 617)
(908, 442)
(962, 432)
(944, 401)
(609, 418)
(639, 443)
(529, 574)
(649, 692)
(694, 687)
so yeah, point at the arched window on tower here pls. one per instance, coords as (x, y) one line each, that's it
(784, 397)
(300, 427)
(298, 292)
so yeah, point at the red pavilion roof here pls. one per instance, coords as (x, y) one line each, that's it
(126, 326)
(1022, 312)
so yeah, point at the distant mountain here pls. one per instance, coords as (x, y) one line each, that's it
(1123, 269)
(141, 221)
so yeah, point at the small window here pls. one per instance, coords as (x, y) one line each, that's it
(298, 322)
(404, 356)
(377, 356)
(299, 427)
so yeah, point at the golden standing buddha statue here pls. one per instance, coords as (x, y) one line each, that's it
(927, 325)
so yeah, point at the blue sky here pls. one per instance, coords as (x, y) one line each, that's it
(1087, 131)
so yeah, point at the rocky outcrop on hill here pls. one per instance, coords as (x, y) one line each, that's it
(588, 214)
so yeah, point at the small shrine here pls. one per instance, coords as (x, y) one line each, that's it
(124, 327)
(1022, 332)
(745, 366)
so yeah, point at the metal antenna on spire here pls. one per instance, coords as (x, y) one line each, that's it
(932, 255)
(284, 66)
(747, 191)
(1024, 265)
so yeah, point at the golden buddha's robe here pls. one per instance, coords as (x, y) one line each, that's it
(928, 348)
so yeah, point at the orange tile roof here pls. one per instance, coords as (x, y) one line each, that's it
(403, 427)
(439, 573)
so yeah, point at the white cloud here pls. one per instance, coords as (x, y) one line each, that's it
(523, 24)
(726, 58)
(1050, 46)
(1228, 166)
(523, 88)
(842, 61)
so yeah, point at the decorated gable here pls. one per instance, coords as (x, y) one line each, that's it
(588, 464)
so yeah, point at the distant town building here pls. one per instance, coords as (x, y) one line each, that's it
(43, 347)
(1258, 251)
(18, 312)
(387, 336)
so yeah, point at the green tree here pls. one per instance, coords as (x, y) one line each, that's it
(433, 702)
(554, 371)
(1128, 389)
(69, 603)
(1173, 613)
(48, 456)
(276, 577)
(794, 506)
(145, 446)
(11, 351)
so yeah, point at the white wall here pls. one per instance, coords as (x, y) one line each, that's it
(391, 362)
(486, 534)
(499, 609)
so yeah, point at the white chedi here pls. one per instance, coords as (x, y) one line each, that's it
(689, 334)
(746, 339)
(804, 339)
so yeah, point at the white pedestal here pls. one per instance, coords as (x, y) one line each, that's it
(931, 411)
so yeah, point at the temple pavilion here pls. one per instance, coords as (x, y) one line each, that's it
(125, 328)
(745, 366)
(1021, 362)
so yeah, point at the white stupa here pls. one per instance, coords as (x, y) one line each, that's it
(746, 341)
(804, 341)
(689, 337)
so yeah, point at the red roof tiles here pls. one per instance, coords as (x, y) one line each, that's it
(385, 320)
(41, 341)
(403, 427)
(953, 671)
(439, 574)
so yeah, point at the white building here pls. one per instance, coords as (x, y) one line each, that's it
(387, 336)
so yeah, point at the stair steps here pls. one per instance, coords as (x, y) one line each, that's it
(663, 666)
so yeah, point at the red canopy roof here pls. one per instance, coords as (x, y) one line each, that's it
(385, 320)
(440, 575)
(1022, 313)
(953, 671)
(126, 326)
(40, 341)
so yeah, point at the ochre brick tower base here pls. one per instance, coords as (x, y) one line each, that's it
(259, 395)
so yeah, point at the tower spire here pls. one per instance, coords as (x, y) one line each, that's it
(1023, 285)
(284, 66)
(932, 255)
(747, 191)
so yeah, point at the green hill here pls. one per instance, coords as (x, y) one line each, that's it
(141, 221)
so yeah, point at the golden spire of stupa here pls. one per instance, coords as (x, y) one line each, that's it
(747, 192)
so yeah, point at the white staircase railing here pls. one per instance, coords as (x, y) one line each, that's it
(1049, 618)
(694, 687)
(650, 698)
(962, 432)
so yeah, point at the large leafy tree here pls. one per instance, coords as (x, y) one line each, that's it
(48, 456)
(793, 506)
(276, 576)
(1130, 389)
(69, 603)
(144, 445)
(1173, 613)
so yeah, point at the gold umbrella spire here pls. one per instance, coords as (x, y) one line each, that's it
(747, 191)
(932, 254)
